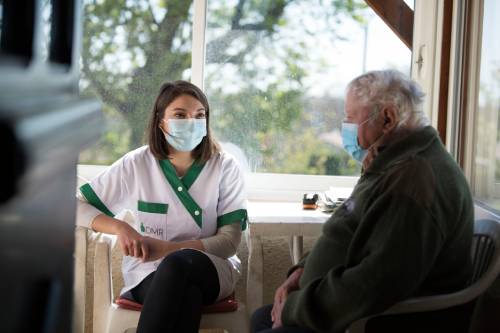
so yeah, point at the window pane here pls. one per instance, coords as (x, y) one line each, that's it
(129, 49)
(275, 77)
(46, 27)
(1, 18)
(487, 141)
(411, 4)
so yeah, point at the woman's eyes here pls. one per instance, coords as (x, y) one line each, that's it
(183, 115)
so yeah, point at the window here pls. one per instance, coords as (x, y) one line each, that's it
(1, 17)
(130, 48)
(276, 72)
(486, 162)
(46, 8)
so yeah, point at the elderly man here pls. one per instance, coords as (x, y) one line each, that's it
(405, 231)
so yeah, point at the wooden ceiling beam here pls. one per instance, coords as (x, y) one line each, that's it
(397, 15)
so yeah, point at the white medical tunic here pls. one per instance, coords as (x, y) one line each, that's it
(167, 207)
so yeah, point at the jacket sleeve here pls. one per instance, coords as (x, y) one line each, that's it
(85, 212)
(232, 204)
(225, 242)
(300, 264)
(403, 242)
(105, 194)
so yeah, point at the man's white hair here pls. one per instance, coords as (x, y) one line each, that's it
(378, 89)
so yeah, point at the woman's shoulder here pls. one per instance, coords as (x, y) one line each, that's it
(226, 162)
(231, 156)
(221, 158)
(140, 155)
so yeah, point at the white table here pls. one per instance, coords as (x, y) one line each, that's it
(276, 219)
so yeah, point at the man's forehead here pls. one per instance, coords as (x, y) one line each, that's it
(353, 107)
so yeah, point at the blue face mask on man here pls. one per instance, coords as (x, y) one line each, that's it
(350, 139)
(186, 134)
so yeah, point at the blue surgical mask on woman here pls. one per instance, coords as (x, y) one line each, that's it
(185, 134)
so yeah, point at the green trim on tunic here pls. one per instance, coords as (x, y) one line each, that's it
(239, 215)
(181, 189)
(94, 200)
(192, 174)
(152, 207)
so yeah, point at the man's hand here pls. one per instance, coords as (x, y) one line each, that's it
(131, 242)
(290, 284)
(276, 314)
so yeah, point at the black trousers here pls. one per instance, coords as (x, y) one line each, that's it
(174, 295)
(261, 323)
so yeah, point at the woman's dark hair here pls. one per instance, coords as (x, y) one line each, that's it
(156, 139)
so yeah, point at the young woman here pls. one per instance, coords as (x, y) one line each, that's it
(187, 197)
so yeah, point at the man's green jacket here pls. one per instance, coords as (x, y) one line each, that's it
(406, 230)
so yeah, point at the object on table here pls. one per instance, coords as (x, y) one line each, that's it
(309, 201)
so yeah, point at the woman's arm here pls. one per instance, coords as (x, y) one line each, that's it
(129, 239)
(158, 248)
(223, 244)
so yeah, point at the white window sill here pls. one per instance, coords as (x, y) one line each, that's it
(261, 186)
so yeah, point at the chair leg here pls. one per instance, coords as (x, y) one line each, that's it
(102, 287)
(79, 289)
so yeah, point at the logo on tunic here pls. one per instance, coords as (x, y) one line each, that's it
(146, 229)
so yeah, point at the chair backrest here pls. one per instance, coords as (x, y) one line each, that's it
(485, 251)
(486, 268)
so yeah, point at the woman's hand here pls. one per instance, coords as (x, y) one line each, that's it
(158, 248)
(290, 284)
(131, 242)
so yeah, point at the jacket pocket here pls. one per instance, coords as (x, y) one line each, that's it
(152, 219)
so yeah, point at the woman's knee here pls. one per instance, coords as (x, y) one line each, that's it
(179, 261)
(174, 263)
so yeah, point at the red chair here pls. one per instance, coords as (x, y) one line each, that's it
(228, 304)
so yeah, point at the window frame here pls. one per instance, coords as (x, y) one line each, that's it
(273, 186)
(260, 186)
(464, 97)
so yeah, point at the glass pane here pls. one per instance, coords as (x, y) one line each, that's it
(1, 18)
(275, 77)
(411, 4)
(487, 150)
(129, 49)
(46, 27)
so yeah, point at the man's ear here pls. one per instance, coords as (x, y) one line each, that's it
(390, 118)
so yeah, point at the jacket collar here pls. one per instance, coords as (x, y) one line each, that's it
(403, 149)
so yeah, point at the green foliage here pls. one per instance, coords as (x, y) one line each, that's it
(114, 143)
(127, 54)
(235, 122)
(305, 153)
